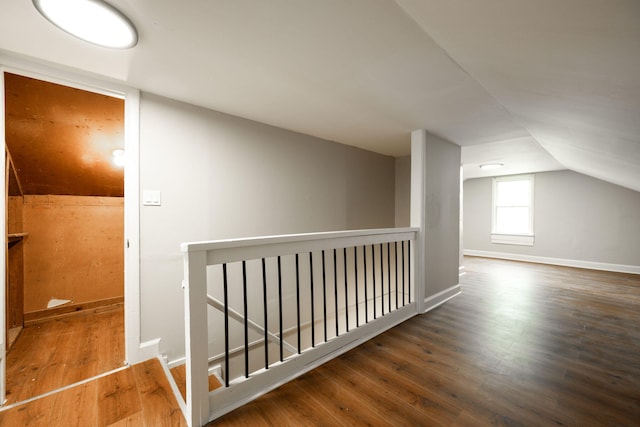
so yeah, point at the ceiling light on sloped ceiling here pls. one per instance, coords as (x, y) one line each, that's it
(491, 166)
(93, 21)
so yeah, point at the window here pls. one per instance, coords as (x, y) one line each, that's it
(513, 210)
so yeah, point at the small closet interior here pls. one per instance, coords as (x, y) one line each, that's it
(65, 204)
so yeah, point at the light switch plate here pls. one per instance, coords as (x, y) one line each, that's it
(151, 198)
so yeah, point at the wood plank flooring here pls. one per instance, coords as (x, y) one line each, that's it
(136, 396)
(523, 345)
(55, 353)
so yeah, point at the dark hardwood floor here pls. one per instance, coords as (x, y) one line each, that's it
(523, 345)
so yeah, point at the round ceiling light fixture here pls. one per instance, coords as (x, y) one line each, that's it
(93, 21)
(490, 166)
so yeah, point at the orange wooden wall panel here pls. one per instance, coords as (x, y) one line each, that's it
(74, 250)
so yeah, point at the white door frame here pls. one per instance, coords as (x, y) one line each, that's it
(134, 352)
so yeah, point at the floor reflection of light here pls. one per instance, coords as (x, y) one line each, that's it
(515, 308)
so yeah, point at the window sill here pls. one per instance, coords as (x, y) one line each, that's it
(512, 239)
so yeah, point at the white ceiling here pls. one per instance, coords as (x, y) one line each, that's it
(541, 85)
(520, 155)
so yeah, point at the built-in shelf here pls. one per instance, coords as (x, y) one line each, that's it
(15, 237)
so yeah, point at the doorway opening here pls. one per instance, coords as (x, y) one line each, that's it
(65, 219)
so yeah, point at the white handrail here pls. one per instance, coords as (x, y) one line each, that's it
(226, 251)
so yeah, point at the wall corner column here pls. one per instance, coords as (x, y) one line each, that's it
(461, 250)
(435, 210)
(417, 214)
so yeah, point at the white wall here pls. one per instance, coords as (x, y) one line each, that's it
(576, 217)
(403, 191)
(225, 177)
(442, 250)
(435, 209)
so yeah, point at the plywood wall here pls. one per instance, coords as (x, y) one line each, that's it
(14, 214)
(74, 249)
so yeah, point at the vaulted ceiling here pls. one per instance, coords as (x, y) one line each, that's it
(538, 85)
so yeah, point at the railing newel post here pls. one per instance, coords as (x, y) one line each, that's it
(196, 338)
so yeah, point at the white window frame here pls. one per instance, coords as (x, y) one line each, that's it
(524, 239)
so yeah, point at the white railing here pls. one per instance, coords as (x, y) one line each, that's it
(280, 306)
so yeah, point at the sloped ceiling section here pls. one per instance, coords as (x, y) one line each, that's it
(568, 72)
(559, 78)
(358, 72)
(61, 139)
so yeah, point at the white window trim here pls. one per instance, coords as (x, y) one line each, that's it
(512, 239)
(525, 239)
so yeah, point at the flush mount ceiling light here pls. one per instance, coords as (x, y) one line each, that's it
(90, 20)
(490, 166)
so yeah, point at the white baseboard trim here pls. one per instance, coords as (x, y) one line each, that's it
(176, 362)
(441, 297)
(591, 265)
(148, 350)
